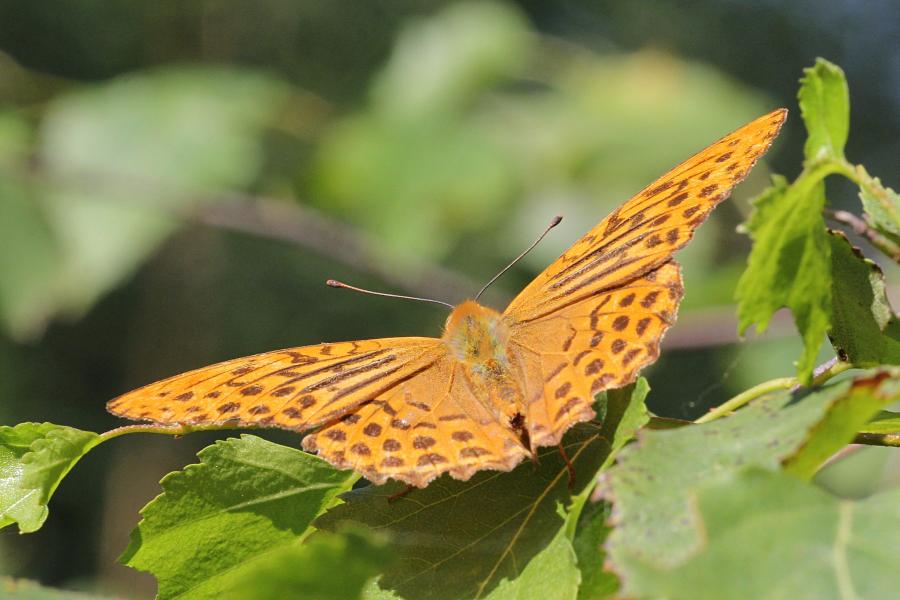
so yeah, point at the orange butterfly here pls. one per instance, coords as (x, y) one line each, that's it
(495, 386)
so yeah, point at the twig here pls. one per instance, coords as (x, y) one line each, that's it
(861, 228)
(822, 374)
(878, 439)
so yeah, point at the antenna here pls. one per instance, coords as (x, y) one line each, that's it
(556, 220)
(338, 284)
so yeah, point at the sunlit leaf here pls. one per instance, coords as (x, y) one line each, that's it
(246, 500)
(881, 203)
(34, 458)
(849, 412)
(327, 567)
(651, 484)
(825, 105)
(768, 535)
(789, 265)
(551, 575)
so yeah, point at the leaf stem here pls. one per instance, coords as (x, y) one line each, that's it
(823, 374)
(165, 429)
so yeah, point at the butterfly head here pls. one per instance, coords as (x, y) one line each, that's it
(476, 333)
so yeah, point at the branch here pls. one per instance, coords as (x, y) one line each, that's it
(861, 228)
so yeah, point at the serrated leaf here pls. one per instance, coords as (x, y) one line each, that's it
(825, 105)
(846, 414)
(34, 458)
(551, 575)
(882, 204)
(651, 483)
(789, 265)
(246, 500)
(327, 567)
(458, 539)
(796, 540)
(864, 330)
(23, 589)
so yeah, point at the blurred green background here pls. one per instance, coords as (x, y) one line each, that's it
(178, 179)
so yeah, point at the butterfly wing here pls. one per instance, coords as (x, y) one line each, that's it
(426, 425)
(643, 233)
(297, 388)
(598, 343)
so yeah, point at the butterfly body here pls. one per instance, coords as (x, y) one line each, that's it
(495, 386)
(478, 337)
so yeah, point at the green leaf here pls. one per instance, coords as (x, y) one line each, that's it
(591, 533)
(327, 567)
(796, 540)
(651, 484)
(882, 204)
(23, 589)
(551, 575)
(848, 413)
(825, 105)
(246, 500)
(458, 539)
(864, 330)
(789, 265)
(34, 458)
(884, 422)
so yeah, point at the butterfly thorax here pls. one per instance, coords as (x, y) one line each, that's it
(478, 337)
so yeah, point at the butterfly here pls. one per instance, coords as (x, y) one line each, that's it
(495, 386)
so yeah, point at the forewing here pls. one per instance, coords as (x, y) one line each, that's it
(596, 344)
(296, 388)
(427, 425)
(643, 233)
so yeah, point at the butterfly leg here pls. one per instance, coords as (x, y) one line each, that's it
(402, 493)
(569, 466)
